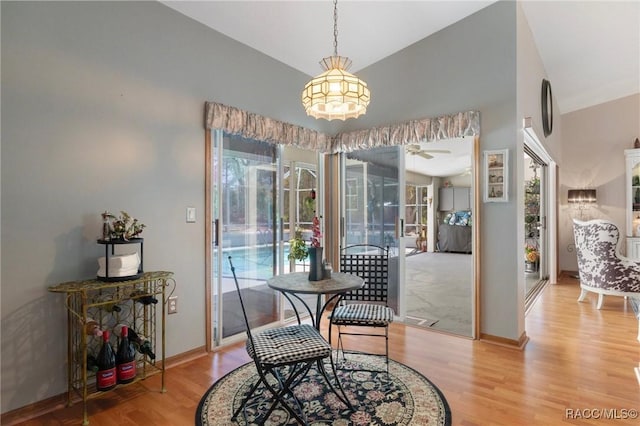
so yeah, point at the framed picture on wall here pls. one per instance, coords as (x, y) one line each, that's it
(496, 176)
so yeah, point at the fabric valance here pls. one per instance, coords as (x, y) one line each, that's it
(253, 126)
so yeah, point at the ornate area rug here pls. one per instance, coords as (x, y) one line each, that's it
(404, 397)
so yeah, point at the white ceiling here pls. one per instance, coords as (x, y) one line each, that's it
(456, 162)
(590, 49)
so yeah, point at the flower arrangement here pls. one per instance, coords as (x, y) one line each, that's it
(123, 227)
(531, 253)
(315, 232)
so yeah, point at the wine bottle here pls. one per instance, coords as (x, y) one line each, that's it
(143, 345)
(106, 376)
(92, 363)
(92, 328)
(125, 358)
(140, 342)
(144, 298)
(108, 304)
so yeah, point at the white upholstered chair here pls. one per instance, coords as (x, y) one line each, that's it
(601, 267)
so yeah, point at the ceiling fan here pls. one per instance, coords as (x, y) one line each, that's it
(415, 149)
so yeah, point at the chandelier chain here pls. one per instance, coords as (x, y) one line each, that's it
(335, 27)
(336, 93)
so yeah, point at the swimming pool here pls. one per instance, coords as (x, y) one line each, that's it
(251, 262)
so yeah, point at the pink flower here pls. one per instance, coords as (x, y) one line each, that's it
(315, 230)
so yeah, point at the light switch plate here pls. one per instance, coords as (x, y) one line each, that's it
(191, 214)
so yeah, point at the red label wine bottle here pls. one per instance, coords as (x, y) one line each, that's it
(106, 377)
(125, 358)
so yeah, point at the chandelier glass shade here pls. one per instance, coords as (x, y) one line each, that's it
(336, 93)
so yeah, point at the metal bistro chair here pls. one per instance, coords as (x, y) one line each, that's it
(366, 306)
(283, 357)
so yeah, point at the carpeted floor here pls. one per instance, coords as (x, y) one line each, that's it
(439, 291)
(402, 398)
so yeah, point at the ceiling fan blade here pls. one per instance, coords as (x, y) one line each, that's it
(424, 155)
(440, 151)
(413, 149)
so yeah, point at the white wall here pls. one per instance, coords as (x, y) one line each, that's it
(594, 140)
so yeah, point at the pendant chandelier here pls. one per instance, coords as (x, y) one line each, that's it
(336, 93)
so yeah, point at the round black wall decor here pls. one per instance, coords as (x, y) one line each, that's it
(547, 108)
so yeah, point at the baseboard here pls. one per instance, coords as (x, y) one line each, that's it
(570, 274)
(57, 402)
(185, 357)
(503, 341)
(34, 410)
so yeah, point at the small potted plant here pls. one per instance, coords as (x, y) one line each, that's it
(123, 227)
(298, 247)
(531, 257)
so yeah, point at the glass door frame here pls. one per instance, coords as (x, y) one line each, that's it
(214, 140)
(398, 249)
(293, 210)
(548, 201)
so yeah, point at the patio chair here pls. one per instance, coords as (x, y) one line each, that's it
(283, 356)
(366, 306)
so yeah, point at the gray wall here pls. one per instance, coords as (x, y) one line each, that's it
(470, 65)
(595, 139)
(102, 107)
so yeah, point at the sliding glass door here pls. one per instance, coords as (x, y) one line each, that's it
(372, 195)
(301, 196)
(535, 217)
(540, 186)
(244, 215)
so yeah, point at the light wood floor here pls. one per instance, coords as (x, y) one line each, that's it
(577, 358)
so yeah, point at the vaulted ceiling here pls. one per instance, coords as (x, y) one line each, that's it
(590, 49)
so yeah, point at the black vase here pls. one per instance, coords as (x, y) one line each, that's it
(315, 260)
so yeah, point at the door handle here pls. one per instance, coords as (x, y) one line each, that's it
(216, 224)
(281, 229)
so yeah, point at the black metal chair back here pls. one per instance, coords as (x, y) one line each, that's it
(244, 311)
(371, 263)
(367, 306)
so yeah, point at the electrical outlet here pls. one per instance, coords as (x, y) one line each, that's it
(172, 307)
